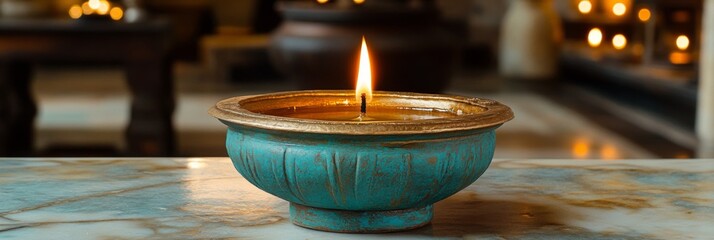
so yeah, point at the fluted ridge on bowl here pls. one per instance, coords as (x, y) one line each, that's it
(380, 175)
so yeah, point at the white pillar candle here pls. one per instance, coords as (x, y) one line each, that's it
(705, 102)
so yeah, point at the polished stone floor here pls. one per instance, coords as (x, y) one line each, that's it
(83, 112)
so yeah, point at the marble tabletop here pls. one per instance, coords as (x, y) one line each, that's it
(180, 198)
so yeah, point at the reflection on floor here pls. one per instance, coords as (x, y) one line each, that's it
(543, 129)
(90, 107)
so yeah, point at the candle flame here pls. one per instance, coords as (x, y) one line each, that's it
(644, 14)
(595, 37)
(103, 7)
(682, 42)
(75, 12)
(619, 9)
(619, 41)
(116, 13)
(94, 4)
(364, 76)
(86, 10)
(585, 6)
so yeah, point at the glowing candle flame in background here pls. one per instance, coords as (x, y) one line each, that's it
(116, 13)
(86, 10)
(364, 76)
(75, 12)
(644, 14)
(619, 9)
(98, 7)
(94, 4)
(585, 6)
(681, 57)
(682, 42)
(103, 8)
(595, 37)
(619, 41)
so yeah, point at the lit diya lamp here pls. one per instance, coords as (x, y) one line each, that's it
(358, 161)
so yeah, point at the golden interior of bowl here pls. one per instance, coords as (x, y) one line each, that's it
(352, 113)
(345, 108)
(335, 112)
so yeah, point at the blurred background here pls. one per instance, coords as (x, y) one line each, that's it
(602, 79)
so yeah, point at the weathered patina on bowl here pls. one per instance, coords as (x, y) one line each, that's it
(351, 176)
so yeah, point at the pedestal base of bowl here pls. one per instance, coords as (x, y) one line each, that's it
(360, 221)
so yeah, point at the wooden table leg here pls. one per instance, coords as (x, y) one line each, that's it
(150, 131)
(17, 110)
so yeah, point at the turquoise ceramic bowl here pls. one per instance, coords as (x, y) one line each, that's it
(360, 176)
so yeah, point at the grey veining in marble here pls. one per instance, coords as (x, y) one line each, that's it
(207, 198)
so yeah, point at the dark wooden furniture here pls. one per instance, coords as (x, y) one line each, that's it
(142, 48)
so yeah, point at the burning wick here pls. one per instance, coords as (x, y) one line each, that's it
(363, 109)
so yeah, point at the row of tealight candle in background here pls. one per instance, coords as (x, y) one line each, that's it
(678, 54)
(619, 8)
(96, 7)
(595, 36)
(340, 1)
(619, 42)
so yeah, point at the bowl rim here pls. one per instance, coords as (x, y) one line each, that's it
(231, 112)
